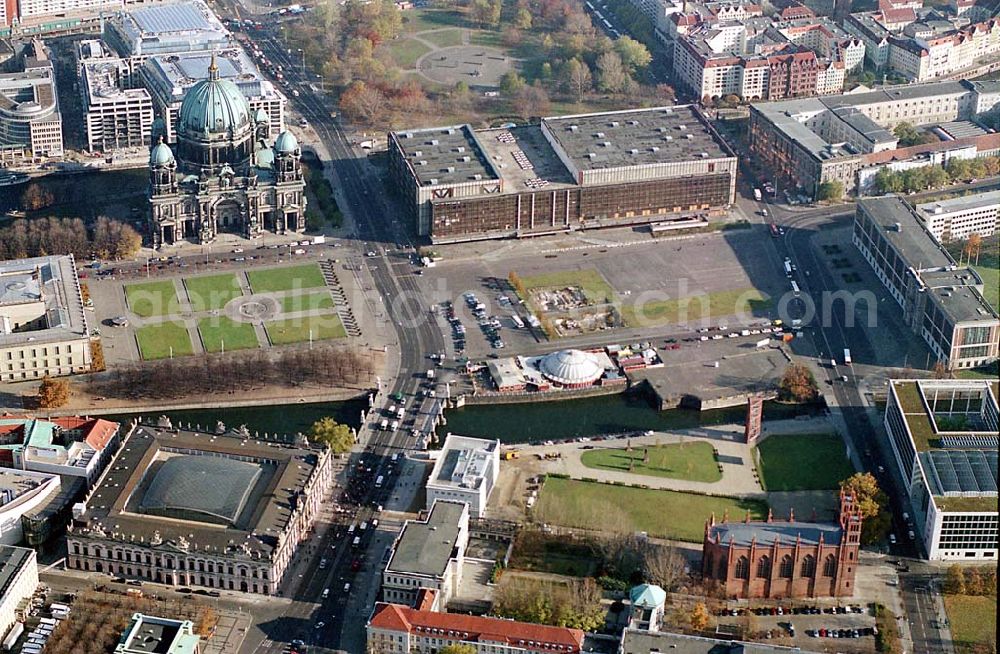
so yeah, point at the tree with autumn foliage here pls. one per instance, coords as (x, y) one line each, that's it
(362, 103)
(873, 504)
(699, 617)
(52, 393)
(798, 384)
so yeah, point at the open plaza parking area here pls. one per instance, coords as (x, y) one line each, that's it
(621, 282)
(238, 308)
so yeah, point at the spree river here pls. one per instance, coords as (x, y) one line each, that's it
(511, 423)
(280, 419)
(605, 414)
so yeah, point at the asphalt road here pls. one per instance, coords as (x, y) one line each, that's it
(416, 336)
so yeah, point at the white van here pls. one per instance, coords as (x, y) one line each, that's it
(326, 593)
(378, 482)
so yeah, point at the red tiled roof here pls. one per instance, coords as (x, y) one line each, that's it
(904, 15)
(97, 431)
(101, 432)
(425, 599)
(982, 142)
(471, 628)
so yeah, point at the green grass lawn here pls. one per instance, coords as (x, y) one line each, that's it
(160, 340)
(710, 305)
(791, 462)
(444, 38)
(488, 39)
(694, 461)
(217, 331)
(991, 284)
(290, 278)
(419, 20)
(663, 514)
(149, 299)
(405, 52)
(973, 620)
(594, 286)
(306, 302)
(296, 330)
(212, 291)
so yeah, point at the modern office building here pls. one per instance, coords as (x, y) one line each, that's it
(941, 302)
(30, 121)
(958, 218)
(569, 172)
(465, 471)
(196, 509)
(805, 142)
(428, 555)
(169, 78)
(168, 28)
(226, 176)
(781, 559)
(43, 325)
(395, 629)
(24, 494)
(18, 581)
(117, 117)
(71, 446)
(148, 634)
(944, 437)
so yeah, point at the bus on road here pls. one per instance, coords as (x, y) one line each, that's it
(847, 357)
(795, 288)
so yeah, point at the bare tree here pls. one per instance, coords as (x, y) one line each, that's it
(663, 565)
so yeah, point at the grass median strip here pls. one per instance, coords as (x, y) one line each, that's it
(623, 509)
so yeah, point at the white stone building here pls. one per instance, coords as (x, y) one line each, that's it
(18, 581)
(465, 471)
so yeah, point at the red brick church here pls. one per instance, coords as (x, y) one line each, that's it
(784, 558)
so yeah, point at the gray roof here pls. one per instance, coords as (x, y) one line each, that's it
(744, 533)
(911, 240)
(966, 472)
(152, 636)
(864, 125)
(180, 17)
(64, 316)
(445, 155)
(951, 288)
(425, 547)
(632, 138)
(463, 462)
(170, 76)
(964, 203)
(288, 469)
(635, 641)
(213, 486)
(12, 560)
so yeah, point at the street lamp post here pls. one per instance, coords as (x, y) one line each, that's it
(303, 53)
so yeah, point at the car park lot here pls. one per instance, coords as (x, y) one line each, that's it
(649, 280)
(820, 626)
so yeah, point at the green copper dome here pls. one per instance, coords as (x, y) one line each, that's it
(161, 155)
(213, 106)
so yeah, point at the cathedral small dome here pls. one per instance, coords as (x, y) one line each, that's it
(286, 143)
(161, 155)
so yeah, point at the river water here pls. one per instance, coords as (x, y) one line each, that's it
(511, 423)
(280, 419)
(606, 414)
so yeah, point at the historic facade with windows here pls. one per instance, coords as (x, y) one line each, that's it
(784, 558)
(225, 176)
(222, 511)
